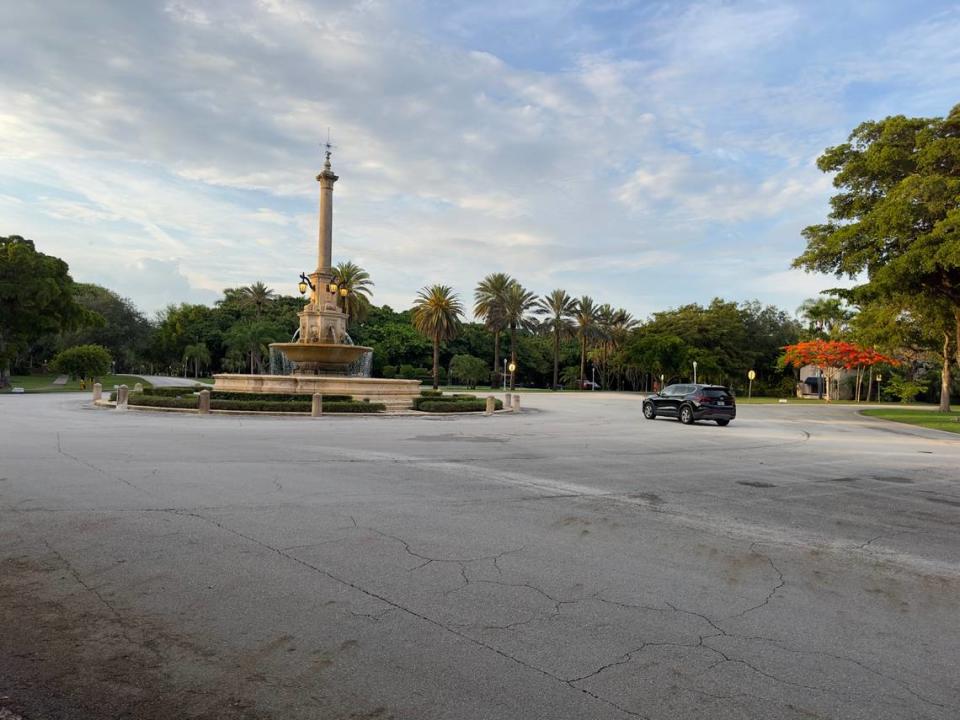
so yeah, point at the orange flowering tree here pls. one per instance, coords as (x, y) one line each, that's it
(832, 356)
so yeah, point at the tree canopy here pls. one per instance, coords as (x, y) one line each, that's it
(896, 218)
(37, 297)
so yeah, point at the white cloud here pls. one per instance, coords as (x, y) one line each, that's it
(189, 134)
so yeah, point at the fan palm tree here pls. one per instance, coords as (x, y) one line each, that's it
(257, 295)
(356, 303)
(586, 322)
(559, 309)
(517, 304)
(436, 315)
(488, 307)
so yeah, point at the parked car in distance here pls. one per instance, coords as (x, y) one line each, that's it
(689, 403)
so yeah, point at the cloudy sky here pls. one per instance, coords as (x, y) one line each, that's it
(646, 153)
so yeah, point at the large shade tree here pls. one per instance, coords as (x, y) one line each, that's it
(37, 297)
(436, 315)
(896, 215)
(559, 309)
(489, 297)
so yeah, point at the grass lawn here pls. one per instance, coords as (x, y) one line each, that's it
(924, 418)
(44, 383)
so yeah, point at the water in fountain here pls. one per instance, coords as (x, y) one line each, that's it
(280, 364)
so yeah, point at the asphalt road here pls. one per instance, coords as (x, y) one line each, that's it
(573, 561)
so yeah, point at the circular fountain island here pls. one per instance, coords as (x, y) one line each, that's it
(322, 357)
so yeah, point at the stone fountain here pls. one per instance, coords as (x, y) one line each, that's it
(321, 352)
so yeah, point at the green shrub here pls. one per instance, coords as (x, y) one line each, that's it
(81, 361)
(389, 371)
(278, 397)
(434, 405)
(171, 391)
(407, 372)
(161, 402)
(294, 406)
(192, 402)
(431, 393)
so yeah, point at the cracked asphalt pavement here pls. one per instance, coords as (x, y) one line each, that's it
(570, 561)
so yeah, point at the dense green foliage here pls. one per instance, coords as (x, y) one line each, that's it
(896, 219)
(82, 361)
(37, 298)
(468, 370)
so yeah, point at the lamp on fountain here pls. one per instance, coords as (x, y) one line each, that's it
(304, 284)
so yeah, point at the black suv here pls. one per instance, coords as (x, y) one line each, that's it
(690, 403)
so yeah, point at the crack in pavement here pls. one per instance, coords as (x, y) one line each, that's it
(780, 583)
(410, 611)
(100, 470)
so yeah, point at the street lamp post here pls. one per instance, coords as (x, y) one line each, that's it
(879, 378)
(512, 367)
(593, 378)
(694, 372)
(504, 374)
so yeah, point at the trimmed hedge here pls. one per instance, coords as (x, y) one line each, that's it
(455, 405)
(276, 397)
(424, 398)
(431, 393)
(351, 406)
(192, 403)
(163, 402)
(170, 391)
(225, 395)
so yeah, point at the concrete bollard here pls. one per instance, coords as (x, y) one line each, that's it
(97, 392)
(316, 408)
(123, 393)
(516, 403)
(138, 388)
(203, 405)
(492, 405)
(507, 402)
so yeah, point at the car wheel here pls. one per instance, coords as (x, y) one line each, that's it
(686, 415)
(723, 423)
(648, 412)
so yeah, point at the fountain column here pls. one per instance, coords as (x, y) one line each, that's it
(325, 244)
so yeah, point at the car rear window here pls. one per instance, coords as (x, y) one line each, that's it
(716, 392)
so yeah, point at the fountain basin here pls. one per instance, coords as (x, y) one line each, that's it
(395, 394)
(322, 354)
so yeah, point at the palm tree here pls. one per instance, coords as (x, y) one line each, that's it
(252, 337)
(559, 308)
(199, 354)
(517, 303)
(586, 322)
(436, 315)
(356, 303)
(258, 295)
(826, 317)
(488, 306)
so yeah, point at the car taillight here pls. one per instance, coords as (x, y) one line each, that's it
(701, 399)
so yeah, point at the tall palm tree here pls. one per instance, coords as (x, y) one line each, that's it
(257, 295)
(517, 304)
(436, 315)
(356, 303)
(488, 306)
(586, 322)
(198, 354)
(559, 309)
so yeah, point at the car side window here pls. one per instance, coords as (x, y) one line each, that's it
(670, 390)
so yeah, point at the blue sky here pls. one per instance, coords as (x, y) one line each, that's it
(648, 154)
